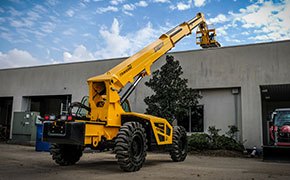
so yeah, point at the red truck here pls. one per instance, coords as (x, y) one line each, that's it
(279, 132)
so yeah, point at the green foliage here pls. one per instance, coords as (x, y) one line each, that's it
(199, 141)
(232, 132)
(172, 97)
(214, 141)
(228, 143)
(213, 132)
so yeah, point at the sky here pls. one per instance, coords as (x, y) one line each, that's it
(41, 32)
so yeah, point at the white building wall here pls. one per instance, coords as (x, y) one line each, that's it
(219, 109)
(246, 67)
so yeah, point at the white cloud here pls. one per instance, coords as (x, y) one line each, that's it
(107, 9)
(271, 21)
(222, 31)
(218, 19)
(246, 33)
(25, 20)
(260, 38)
(39, 9)
(142, 4)
(3, 28)
(17, 23)
(232, 40)
(129, 7)
(2, 20)
(199, 3)
(69, 32)
(33, 15)
(52, 2)
(17, 58)
(14, 12)
(48, 27)
(161, 1)
(117, 45)
(267, 37)
(116, 2)
(181, 6)
(87, 35)
(70, 13)
(127, 13)
(261, 21)
(79, 54)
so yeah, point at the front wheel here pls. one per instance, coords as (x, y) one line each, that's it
(131, 146)
(178, 151)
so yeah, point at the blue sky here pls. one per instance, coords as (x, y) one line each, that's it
(37, 32)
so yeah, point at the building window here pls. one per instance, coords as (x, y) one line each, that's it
(193, 120)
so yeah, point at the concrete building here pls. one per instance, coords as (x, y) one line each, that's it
(240, 86)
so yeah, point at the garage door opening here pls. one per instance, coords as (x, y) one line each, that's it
(5, 117)
(49, 104)
(273, 97)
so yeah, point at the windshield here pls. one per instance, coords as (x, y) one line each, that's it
(282, 118)
(78, 110)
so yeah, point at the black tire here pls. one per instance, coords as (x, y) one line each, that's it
(131, 146)
(65, 154)
(178, 151)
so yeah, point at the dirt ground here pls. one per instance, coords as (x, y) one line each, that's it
(22, 162)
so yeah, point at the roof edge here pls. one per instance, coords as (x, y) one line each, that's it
(121, 58)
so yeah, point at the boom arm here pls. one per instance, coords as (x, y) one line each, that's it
(103, 90)
(142, 60)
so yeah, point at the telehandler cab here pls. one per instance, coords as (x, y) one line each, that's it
(105, 123)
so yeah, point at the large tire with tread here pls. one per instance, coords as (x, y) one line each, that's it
(131, 146)
(178, 151)
(66, 154)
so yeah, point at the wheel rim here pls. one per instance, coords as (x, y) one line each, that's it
(137, 146)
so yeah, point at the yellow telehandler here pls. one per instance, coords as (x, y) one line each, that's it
(103, 119)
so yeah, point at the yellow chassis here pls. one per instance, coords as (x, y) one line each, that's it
(96, 131)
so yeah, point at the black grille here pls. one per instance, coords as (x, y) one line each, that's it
(284, 137)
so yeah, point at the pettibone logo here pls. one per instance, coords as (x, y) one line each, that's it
(158, 47)
(126, 70)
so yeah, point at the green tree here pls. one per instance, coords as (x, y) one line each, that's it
(172, 97)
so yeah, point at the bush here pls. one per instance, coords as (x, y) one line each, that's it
(232, 132)
(214, 141)
(198, 142)
(227, 143)
(213, 132)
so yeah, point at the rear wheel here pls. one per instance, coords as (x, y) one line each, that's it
(178, 151)
(131, 146)
(65, 154)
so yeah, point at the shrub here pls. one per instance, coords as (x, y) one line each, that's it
(214, 141)
(199, 141)
(213, 132)
(227, 143)
(232, 132)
